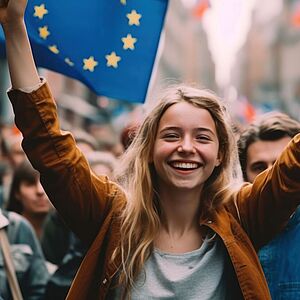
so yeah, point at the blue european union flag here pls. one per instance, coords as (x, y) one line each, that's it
(109, 45)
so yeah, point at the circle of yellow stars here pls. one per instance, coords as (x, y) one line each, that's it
(90, 63)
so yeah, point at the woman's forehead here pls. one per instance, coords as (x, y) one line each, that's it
(185, 114)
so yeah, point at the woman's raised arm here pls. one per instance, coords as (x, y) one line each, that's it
(83, 199)
(22, 68)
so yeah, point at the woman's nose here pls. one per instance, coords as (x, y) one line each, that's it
(187, 145)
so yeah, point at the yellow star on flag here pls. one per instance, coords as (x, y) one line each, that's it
(44, 32)
(89, 63)
(69, 62)
(40, 11)
(53, 49)
(112, 59)
(123, 2)
(134, 18)
(128, 42)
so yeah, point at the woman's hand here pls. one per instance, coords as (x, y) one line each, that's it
(21, 65)
(12, 12)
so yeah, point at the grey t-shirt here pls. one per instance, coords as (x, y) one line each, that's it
(203, 274)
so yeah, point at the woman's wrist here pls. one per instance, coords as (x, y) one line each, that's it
(14, 27)
(20, 60)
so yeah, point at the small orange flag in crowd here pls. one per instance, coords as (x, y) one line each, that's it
(200, 8)
(295, 19)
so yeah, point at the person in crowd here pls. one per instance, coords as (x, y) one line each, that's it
(85, 141)
(107, 138)
(27, 197)
(260, 145)
(127, 134)
(102, 162)
(174, 224)
(12, 155)
(27, 257)
(13, 149)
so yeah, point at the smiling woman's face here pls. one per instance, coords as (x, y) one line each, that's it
(186, 148)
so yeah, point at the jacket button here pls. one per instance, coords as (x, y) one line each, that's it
(104, 281)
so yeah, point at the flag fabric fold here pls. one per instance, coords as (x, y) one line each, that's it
(110, 46)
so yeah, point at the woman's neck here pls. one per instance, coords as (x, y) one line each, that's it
(180, 208)
(180, 229)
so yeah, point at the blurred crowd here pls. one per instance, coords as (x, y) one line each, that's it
(48, 254)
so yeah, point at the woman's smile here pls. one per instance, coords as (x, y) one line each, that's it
(184, 165)
(186, 148)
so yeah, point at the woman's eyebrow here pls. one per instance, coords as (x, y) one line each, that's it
(176, 128)
(205, 129)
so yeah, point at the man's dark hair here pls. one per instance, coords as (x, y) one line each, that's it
(268, 127)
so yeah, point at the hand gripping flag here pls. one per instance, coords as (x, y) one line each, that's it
(109, 45)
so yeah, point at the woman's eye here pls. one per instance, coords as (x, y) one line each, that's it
(203, 138)
(171, 136)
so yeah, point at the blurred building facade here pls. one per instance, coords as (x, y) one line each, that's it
(266, 71)
(267, 68)
(184, 56)
(270, 62)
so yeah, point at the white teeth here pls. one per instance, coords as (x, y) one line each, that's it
(183, 165)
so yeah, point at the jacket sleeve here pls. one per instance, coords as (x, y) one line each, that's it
(81, 198)
(266, 206)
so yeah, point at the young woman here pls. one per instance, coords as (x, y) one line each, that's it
(173, 227)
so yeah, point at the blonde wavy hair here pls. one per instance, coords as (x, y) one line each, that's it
(141, 218)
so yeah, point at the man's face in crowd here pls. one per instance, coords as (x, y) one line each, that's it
(262, 154)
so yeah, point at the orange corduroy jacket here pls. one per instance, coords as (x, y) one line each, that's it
(90, 205)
